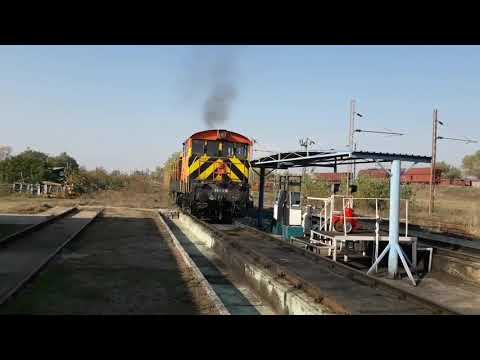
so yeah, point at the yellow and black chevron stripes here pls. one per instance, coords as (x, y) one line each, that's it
(209, 168)
(204, 167)
(195, 161)
(241, 165)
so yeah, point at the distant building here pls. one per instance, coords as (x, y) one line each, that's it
(373, 173)
(409, 176)
(420, 176)
(331, 178)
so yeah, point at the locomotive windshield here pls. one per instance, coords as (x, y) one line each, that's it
(241, 151)
(198, 147)
(227, 149)
(212, 148)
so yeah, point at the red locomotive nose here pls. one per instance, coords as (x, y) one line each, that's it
(221, 170)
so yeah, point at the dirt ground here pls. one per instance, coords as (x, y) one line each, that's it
(120, 264)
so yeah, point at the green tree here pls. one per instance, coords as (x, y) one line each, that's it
(29, 166)
(377, 188)
(471, 164)
(449, 171)
(316, 188)
(33, 166)
(63, 160)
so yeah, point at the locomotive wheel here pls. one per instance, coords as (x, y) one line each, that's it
(224, 217)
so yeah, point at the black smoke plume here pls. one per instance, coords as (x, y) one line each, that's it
(218, 104)
(211, 77)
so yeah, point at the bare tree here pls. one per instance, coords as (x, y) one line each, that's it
(5, 152)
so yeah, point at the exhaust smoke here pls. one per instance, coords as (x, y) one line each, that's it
(212, 77)
(218, 104)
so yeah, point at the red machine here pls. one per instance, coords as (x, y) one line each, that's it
(351, 224)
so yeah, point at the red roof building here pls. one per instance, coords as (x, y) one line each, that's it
(373, 173)
(420, 175)
(332, 178)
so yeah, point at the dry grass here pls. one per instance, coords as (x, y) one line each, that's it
(127, 198)
(456, 210)
(138, 194)
(24, 204)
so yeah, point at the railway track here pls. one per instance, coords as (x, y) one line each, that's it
(26, 252)
(452, 255)
(137, 243)
(439, 240)
(338, 288)
(277, 275)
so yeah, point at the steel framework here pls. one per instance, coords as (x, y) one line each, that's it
(333, 159)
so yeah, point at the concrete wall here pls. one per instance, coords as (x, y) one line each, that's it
(278, 292)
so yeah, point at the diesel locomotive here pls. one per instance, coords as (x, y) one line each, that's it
(210, 178)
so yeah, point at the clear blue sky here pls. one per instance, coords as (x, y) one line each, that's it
(130, 107)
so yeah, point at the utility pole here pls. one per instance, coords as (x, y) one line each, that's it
(434, 161)
(435, 138)
(305, 143)
(351, 133)
(352, 124)
(352, 144)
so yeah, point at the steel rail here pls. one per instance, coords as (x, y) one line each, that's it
(7, 239)
(50, 256)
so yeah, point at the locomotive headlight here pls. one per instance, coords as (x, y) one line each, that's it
(211, 197)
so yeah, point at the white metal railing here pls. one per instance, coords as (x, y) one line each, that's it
(377, 213)
(328, 211)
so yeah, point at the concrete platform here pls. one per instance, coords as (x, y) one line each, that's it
(296, 283)
(446, 289)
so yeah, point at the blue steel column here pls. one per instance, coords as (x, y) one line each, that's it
(394, 220)
(261, 192)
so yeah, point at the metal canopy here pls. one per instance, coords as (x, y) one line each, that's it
(332, 159)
